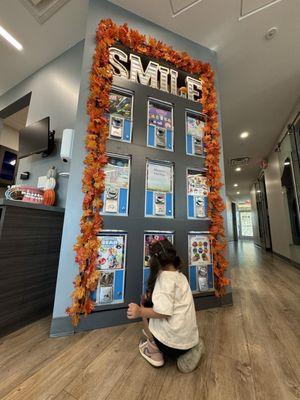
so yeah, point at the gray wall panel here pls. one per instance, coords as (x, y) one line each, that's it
(135, 223)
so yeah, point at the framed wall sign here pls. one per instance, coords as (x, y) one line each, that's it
(201, 275)
(160, 132)
(159, 194)
(197, 191)
(120, 114)
(117, 178)
(112, 265)
(194, 128)
(149, 237)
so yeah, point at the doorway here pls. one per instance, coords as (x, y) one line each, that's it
(244, 221)
(263, 214)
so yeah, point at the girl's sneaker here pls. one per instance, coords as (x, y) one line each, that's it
(189, 361)
(151, 353)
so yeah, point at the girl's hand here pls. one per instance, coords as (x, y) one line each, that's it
(134, 311)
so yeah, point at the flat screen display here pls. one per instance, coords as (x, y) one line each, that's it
(34, 138)
(7, 169)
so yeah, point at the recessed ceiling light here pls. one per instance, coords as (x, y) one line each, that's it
(286, 163)
(238, 169)
(7, 36)
(244, 135)
(258, 191)
(237, 192)
(235, 185)
(271, 32)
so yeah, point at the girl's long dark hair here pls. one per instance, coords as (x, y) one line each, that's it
(162, 253)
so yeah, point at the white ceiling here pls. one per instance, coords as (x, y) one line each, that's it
(259, 79)
(42, 42)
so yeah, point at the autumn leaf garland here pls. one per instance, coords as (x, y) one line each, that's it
(93, 181)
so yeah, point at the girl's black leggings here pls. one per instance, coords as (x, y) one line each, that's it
(166, 350)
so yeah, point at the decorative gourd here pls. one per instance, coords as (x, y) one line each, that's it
(49, 197)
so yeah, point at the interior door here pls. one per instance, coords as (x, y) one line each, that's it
(263, 214)
(234, 222)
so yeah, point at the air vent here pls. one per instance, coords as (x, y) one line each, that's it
(42, 10)
(180, 6)
(239, 161)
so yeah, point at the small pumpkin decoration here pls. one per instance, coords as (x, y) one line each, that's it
(49, 193)
(49, 197)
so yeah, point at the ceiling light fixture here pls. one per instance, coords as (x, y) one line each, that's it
(286, 163)
(235, 185)
(238, 169)
(7, 36)
(237, 192)
(258, 191)
(244, 135)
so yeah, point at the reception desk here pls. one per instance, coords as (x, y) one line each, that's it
(30, 237)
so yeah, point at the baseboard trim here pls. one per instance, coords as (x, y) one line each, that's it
(62, 326)
(204, 303)
(287, 260)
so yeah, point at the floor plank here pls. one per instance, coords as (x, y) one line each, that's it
(252, 349)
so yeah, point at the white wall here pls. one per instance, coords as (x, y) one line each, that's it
(280, 228)
(9, 137)
(279, 220)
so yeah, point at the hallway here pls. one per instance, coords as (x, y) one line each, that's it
(253, 349)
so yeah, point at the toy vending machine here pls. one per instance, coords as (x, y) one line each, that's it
(197, 192)
(160, 133)
(111, 263)
(149, 237)
(117, 179)
(201, 275)
(120, 115)
(194, 123)
(159, 196)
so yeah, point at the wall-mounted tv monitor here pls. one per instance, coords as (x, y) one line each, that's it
(36, 138)
(8, 165)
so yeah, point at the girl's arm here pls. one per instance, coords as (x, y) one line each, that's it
(134, 311)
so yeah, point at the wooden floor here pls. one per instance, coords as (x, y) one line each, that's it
(253, 349)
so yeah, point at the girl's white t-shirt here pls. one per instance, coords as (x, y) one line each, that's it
(172, 296)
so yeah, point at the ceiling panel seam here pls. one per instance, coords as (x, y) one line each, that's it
(175, 13)
(256, 10)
